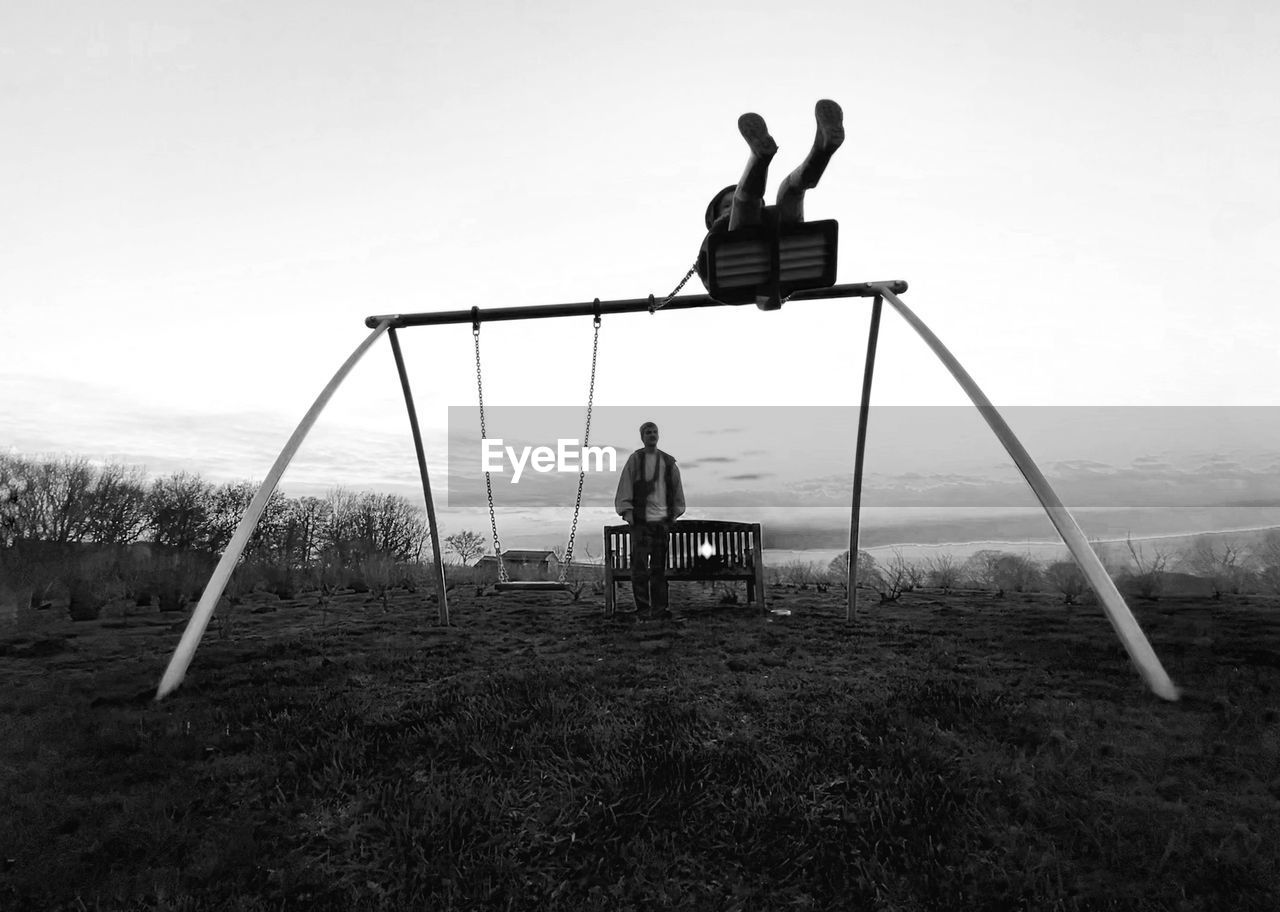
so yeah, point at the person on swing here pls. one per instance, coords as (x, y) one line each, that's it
(742, 204)
(650, 498)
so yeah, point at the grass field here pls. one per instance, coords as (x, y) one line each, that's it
(946, 752)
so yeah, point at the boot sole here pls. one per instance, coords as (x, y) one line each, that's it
(830, 120)
(753, 130)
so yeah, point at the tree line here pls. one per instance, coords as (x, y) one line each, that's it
(70, 500)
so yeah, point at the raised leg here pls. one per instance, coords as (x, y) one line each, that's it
(748, 198)
(828, 138)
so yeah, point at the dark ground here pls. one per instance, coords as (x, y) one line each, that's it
(950, 751)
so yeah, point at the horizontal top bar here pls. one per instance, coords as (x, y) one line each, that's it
(628, 305)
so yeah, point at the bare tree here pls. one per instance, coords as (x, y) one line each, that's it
(1223, 564)
(301, 534)
(401, 527)
(1067, 578)
(59, 499)
(795, 573)
(14, 483)
(467, 545)
(1267, 558)
(894, 578)
(341, 531)
(1147, 572)
(913, 572)
(981, 568)
(1017, 573)
(942, 572)
(118, 514)
(365, 524)
(1002, 571)
(227, 504)
(179, 511)
(866, 574)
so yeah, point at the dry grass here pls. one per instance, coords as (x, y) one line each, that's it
(947, 752)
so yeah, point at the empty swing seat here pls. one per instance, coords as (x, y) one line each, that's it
(765, 263)
(533, 586)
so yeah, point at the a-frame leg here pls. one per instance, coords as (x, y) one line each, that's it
(1118, 613)
(191, 636)
(442, 613)
(856, 518)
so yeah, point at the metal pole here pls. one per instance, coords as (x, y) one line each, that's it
(860, 447)
(186, 650)
(443, 611)
(1118, 613)
(627, 305)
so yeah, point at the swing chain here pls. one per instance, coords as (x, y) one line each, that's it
(655, 307)
(586, 438)
(488, 483)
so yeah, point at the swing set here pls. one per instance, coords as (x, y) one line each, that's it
(505, 583)
(767, 265)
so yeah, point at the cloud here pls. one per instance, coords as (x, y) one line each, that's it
(1078, 467)
(41, 415)
(220, 446)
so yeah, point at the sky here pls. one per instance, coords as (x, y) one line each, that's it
(201, 203)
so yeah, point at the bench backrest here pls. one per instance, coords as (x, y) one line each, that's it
(726, 544)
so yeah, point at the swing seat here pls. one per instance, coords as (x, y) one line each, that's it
(765, 263)
(532, 586)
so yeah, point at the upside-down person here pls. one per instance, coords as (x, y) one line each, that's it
(742, 205)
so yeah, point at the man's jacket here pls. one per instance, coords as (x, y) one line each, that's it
(634, 489)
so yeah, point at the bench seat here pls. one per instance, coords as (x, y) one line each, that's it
(697, 549)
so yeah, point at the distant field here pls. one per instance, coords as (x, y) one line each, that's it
(1037, 549)
(944, 752)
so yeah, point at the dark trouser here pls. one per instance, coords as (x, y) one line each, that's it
(649, 565)
(805, 177)
(748, 199)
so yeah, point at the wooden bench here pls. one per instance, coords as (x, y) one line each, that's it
(697, 549)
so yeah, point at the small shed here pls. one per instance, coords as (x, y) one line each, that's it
(485, 570)
(521, 565)
(531, 565)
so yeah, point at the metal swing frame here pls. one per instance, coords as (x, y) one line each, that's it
(1118, 614)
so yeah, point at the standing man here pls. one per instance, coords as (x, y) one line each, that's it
(650, 497)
